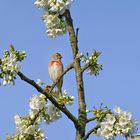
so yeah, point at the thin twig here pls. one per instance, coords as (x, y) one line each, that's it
(91, 119)
(35, 117)
(93, 130)
(85, 67)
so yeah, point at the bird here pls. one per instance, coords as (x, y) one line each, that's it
(55, 70)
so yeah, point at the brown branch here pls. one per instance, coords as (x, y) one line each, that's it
(50, 97)
(77, 31)
(72, 35)
(82, 116)
(91, 119)
(85, 67)
(93, 130)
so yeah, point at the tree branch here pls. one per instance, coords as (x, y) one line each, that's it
(72, 35)
(49, 96)
(82, 116)
(77, 30)
(85, 67)
(93, 130)
(35, 117)
(91, 119)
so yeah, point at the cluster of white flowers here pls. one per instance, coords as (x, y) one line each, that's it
(55, 6)
(107, 128)
(53, 16)
(37, 102)
(51, 113)
(9, 67)
(119, 123)
(125, 124)
(39, 109)
(10, 63)
(25, 129)
(48, 111)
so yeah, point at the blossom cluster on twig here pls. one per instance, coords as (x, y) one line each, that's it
(91, 62)
(54, 15)
(40, 110)
(9, 66)
(113, 123)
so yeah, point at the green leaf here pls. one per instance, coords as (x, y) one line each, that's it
(12, 49)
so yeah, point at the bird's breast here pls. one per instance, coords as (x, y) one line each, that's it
(56, 64)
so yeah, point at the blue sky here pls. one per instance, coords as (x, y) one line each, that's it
(110, 26)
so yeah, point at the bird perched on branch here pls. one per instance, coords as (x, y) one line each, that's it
(55, 70)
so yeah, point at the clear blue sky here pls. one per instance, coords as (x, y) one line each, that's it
(110, 26)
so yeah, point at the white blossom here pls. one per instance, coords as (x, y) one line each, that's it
(126, 124)
(32, 113)
(50, 112)
(9, 67)
(117, 110)
(37, 103)
(51, 20)
(107, 127)
(25, 128)
(120, 123)
(10, 63)
(55, 32)
(53, 17)
(110, 118)
(21, 124)
(87, 61)
(56, 25)
(53, 112)
(59, 6)
(41, 3)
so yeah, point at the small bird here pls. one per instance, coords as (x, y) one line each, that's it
(55, 69)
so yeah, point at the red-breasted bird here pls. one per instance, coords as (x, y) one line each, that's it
(55, 69)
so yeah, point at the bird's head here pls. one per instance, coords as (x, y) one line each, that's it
(56, 57)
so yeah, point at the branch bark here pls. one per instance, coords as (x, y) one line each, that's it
(77, 31)
(82, 116)
(93, 130)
